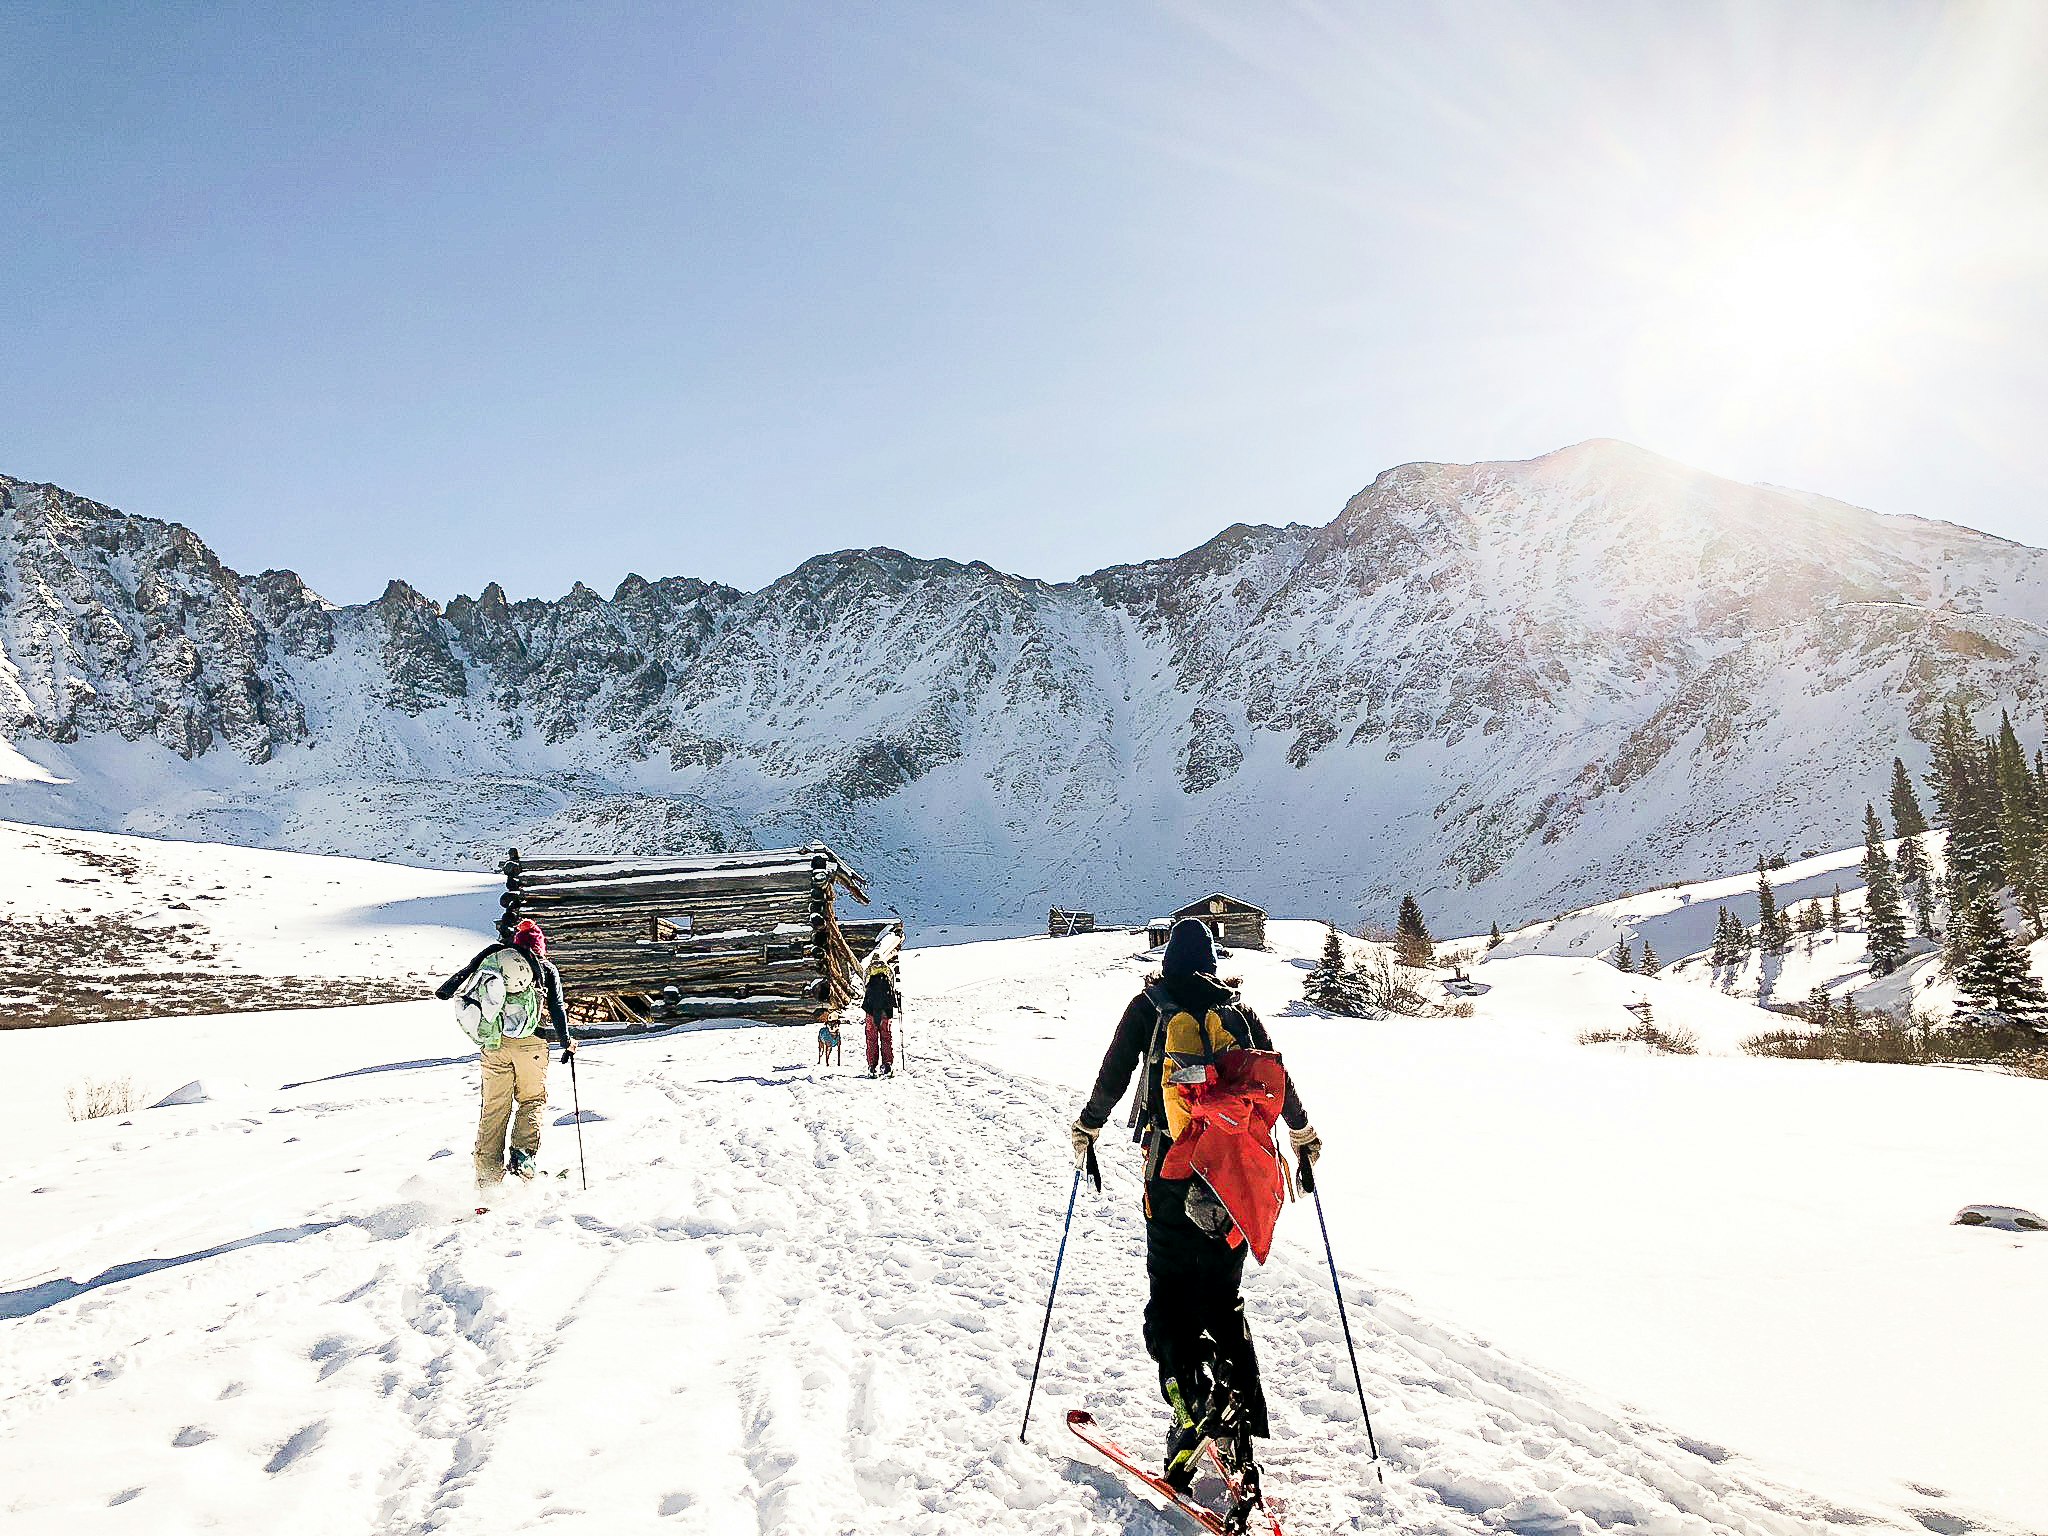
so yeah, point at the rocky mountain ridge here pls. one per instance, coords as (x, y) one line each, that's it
(1508, 687)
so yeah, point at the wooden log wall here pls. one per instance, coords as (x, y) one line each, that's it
(753, 935)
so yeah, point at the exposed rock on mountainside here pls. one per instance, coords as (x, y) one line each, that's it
(1505, 686)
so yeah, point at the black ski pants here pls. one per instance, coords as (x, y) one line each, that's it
(1195, 1317)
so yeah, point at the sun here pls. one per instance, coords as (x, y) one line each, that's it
(1802, 299)
(1780, 318)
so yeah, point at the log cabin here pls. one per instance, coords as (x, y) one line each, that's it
(739, 935)
(1235, 924)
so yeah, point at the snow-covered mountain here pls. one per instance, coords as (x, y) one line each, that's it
(1509, 687)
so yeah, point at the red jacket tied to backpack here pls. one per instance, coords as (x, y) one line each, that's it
(1228, 1142)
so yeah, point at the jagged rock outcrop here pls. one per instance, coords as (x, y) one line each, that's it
(1504, 686)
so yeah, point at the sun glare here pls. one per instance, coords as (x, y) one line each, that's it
(1764, 318)
(1788, 299)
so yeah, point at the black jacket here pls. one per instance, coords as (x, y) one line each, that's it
(550, 986)
(1134, 1036)
(880, 999)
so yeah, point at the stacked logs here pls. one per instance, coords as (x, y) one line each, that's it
(751, 935)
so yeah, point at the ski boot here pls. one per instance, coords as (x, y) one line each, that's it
(523, 1165)
(1233, 1442)
(1191, 1433)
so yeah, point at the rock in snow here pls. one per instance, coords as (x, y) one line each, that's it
(209, 1090)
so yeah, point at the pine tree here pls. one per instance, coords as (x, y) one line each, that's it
(1908, 820)
(1923, 905)
(1772, 934)
(1649, 964)
(2018, 819)
(1850, 1017)
(1957, 939)
(1913, 883)
(1624, 957)
(1810, 920)
(1966, 795)
(1412, 944)
(1493, 941)
(1835, 910)
(1329, 985)
(1724, 950)
(1996, 978)
(1731, 939)
(1884, 925)
(1820, 1009)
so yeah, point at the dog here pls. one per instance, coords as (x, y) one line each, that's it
(830, 1052)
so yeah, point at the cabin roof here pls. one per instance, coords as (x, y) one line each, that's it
(1231, 905)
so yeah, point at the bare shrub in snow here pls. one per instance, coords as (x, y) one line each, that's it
(1911, 1038)
(96, 1098)
(1671, 1042)
(2027, 1063)
(1391, 989)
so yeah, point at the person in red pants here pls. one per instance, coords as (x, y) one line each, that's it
(879, 1002)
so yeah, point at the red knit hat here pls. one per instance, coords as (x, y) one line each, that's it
(528, 936)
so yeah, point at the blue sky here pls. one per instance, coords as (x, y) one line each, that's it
(551, 293)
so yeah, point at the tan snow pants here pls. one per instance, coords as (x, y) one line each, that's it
(516, 1071)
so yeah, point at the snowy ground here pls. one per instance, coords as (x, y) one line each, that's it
(1757, 1251)
(795, 1301)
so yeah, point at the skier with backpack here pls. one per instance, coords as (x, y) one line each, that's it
(1204, 1112)
(880, 1002)
(503, 991)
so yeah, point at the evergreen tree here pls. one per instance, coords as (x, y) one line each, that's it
(1493, 942)
(1884, 925)
(1726, 950)
(1965, 794)
(1835, 909)
(1649, 964)
(1996, 978)
(1956, 938)
(1907, 818)
(1923, 905)
(2018, 819)
(2041, 798)
(1412, 943)
(1914, 881)
(1329, 985)
(1773, 935)
(1624, 957)
(1820, 1009)
(1850, 1018)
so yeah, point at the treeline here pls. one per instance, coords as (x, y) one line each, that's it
(1993, 800)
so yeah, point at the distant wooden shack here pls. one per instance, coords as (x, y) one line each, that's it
(1238, 924)
(1062, 924)
(1157, 932)
(740, 935)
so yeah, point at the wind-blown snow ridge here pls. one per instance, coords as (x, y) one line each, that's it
(1509, 687)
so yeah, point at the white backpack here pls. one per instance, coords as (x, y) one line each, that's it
(501, 1001)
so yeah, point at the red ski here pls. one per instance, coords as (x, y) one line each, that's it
(1082, 1423)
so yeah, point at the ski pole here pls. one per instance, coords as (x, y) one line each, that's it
(1308, 1182)
(1095, 1172)
(576, 1100)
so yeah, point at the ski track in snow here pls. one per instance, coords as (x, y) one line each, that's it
(792, 1301)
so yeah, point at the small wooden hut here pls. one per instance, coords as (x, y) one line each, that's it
(1237, 924)
(740, 935)
(1062, 924)
(1157, 932)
